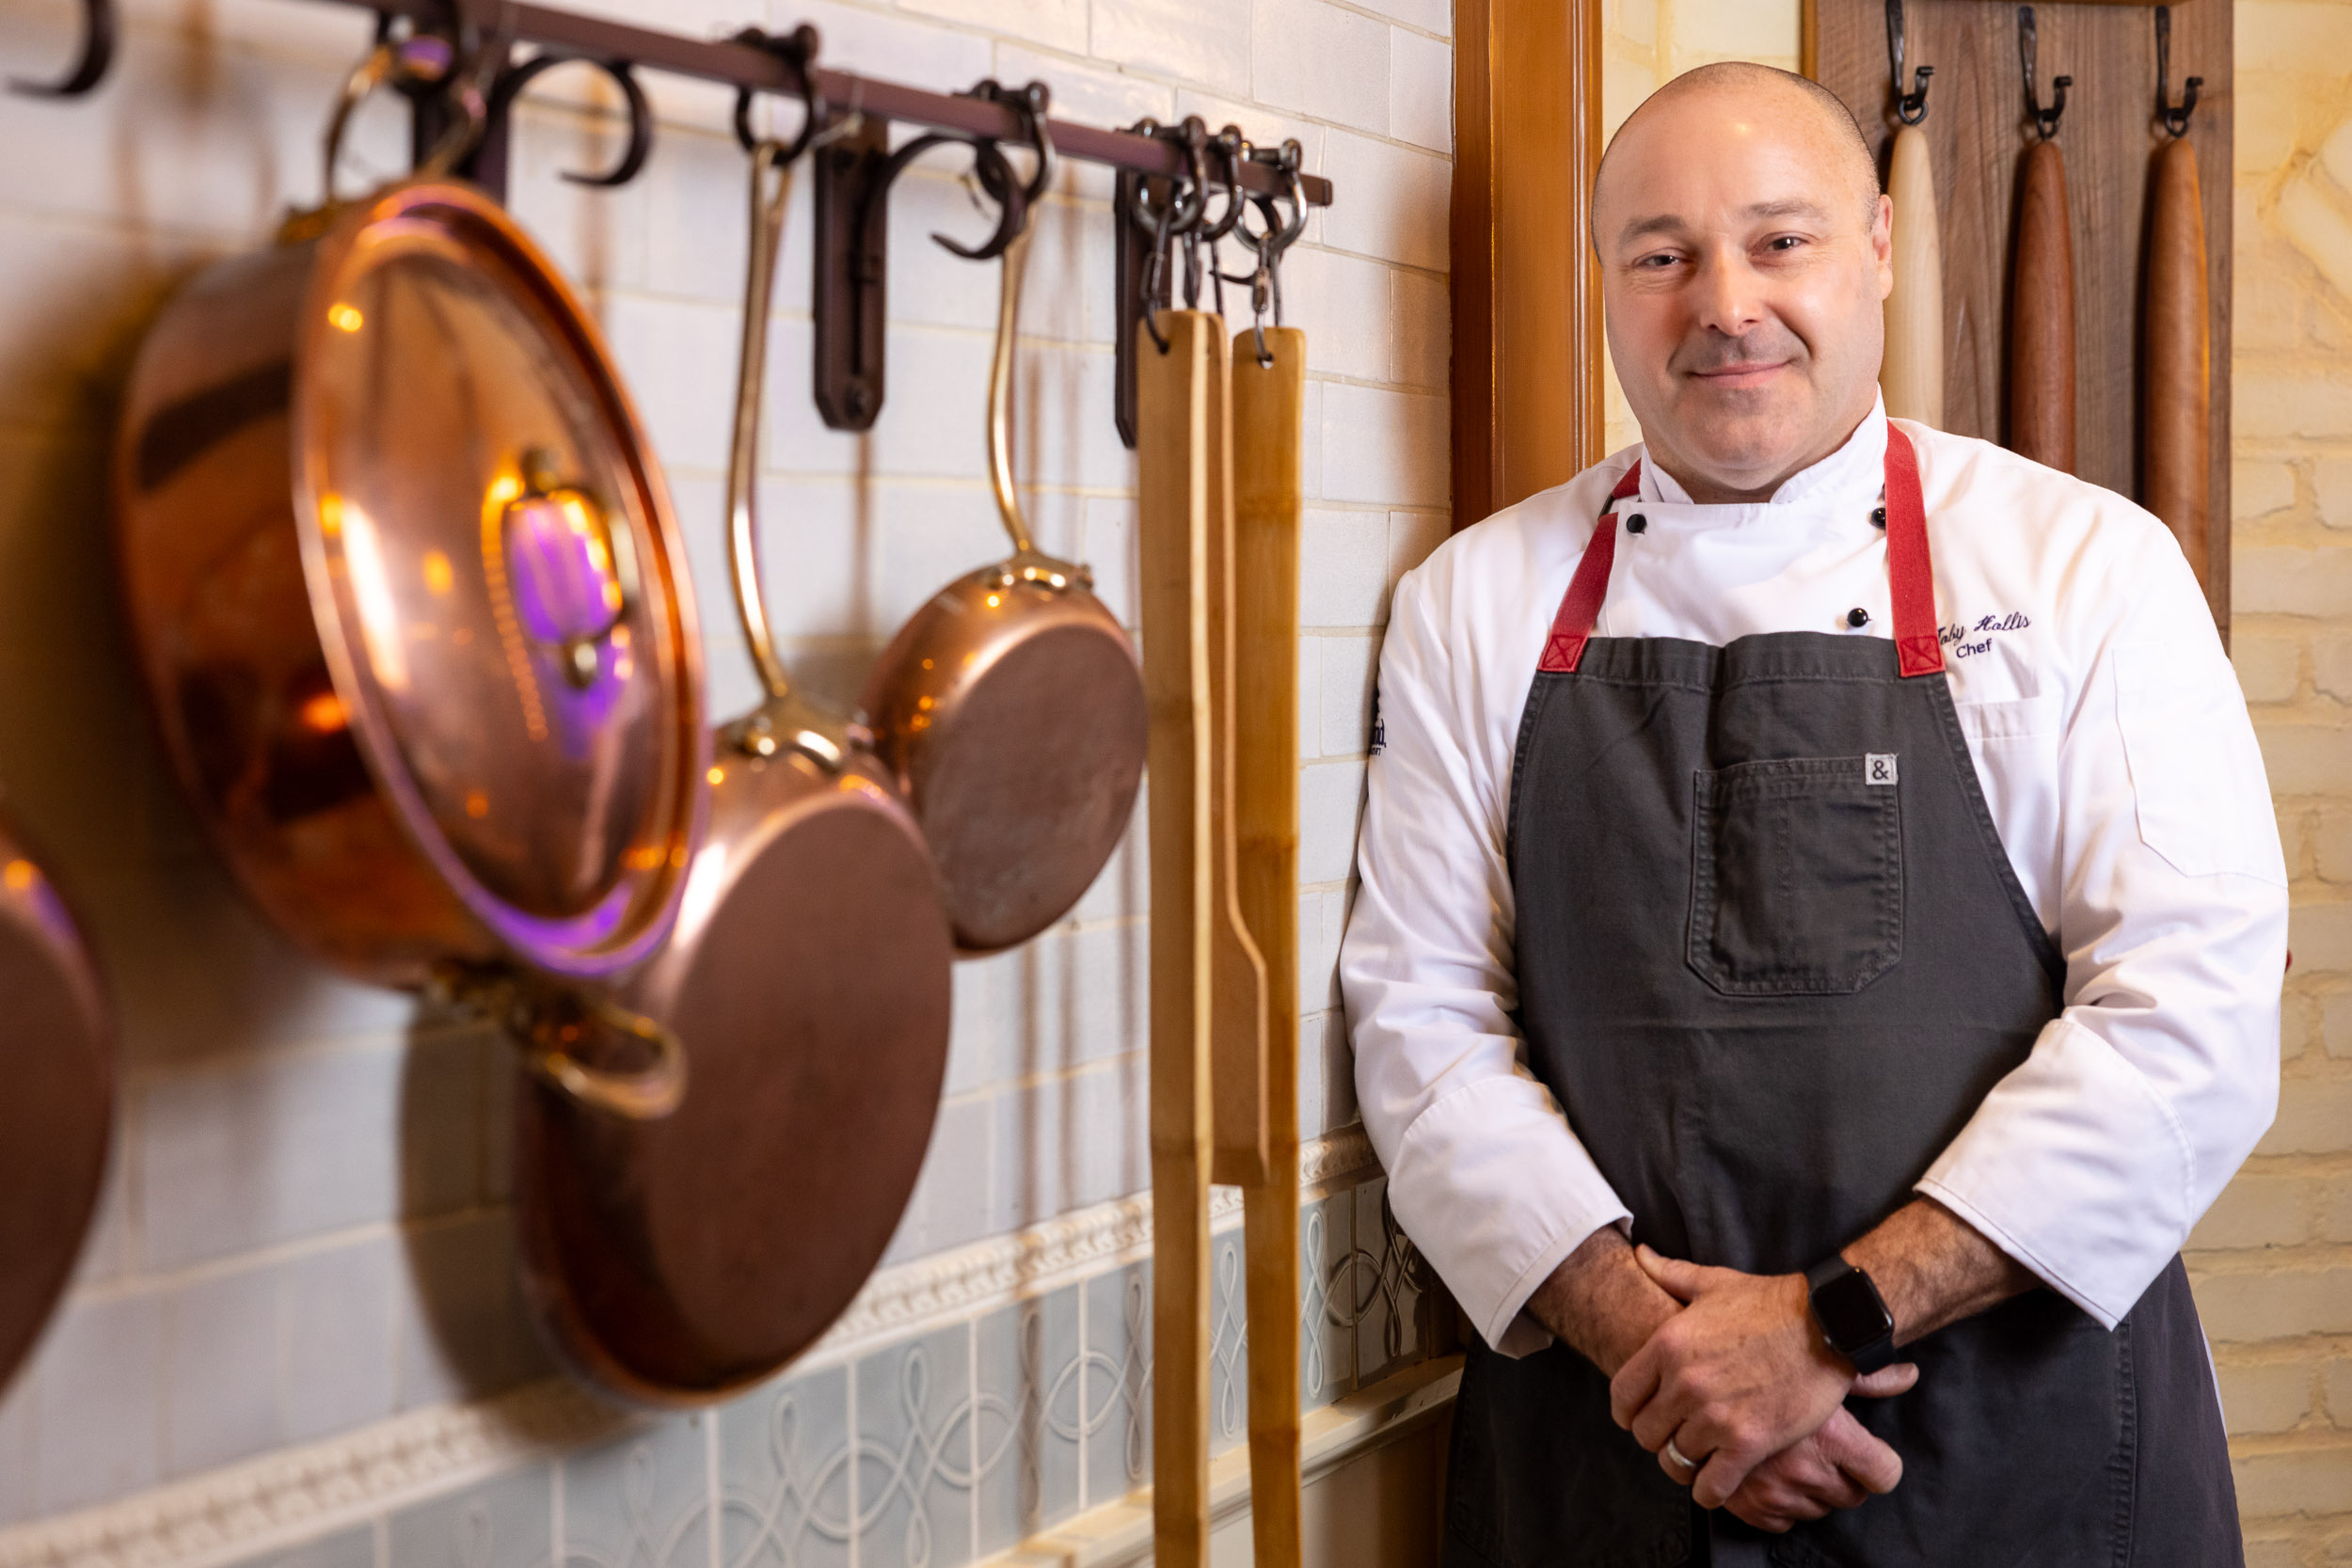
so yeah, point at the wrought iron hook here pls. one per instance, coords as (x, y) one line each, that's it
(1910, 107)
(796, 50)
(512, 81)
(90, 67)
(2045, 121)
(1013, 198)
(2175, 120)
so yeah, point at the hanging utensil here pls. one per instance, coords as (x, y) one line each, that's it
(1238, 1035)
(58, 1054)
(2175, 440)
(1912, 373)
(411, 608)
(1173, 483)
(2042, 290)
(1009, 707)
(1269, 399)
(681, 1261)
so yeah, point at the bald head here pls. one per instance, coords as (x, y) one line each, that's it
(1822, 116)
(1744, 252)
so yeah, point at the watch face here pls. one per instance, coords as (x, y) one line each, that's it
(1850, 1312)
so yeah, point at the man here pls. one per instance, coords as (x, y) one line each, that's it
(1820, 938)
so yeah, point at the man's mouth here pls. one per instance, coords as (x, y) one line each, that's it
(1750, 372)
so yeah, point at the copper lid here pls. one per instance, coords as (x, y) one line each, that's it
(493, 565)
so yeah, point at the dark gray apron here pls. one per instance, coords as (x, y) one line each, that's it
(1771, 956)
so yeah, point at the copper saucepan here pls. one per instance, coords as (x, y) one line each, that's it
(57, 1057)
(411, 606)
(1009, 707)
(677, 1261)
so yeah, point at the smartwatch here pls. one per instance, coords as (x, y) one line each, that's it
(1851, 1315)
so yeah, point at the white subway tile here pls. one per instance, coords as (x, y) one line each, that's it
(933, 417)
(951, 1199)
(1422, 336)
(1029, 1154)
(679, 358)
(1430, 16)
(1421, 90)
(101, 1371)
(1341, 303)
(1194, 41)
(1057, 23)
(1309, 697)
(1310, 442)
(1349, 664)
(1320, 60)
(220, 1387)
(1110, 1149)
(268, 1150)
(930, 536)
(877, 43)
(988, 996)
(1262, 125)
(1330, 795)
(1310, 1076)
(1392, 446)
(1093, 94)
(1109, 548)
(1314, 961)
(1387, 202)
(698, 191)
(106, 1250)
(335, 1338)
(930, 285)
(1342, 566)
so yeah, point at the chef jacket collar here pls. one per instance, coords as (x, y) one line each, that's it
(1847, 482)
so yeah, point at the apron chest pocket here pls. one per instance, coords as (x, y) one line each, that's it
(1796, 875)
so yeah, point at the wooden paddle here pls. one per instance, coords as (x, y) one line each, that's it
(1172, 457)
(2177, 464)
(2041, 317)
(1912, 373)
(1268, 404)
(1237, 1010)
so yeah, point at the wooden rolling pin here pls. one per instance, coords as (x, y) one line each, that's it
(1911, 374)
(1269, 410)
(2041, 317)
(2174, 443)
(1172, 457)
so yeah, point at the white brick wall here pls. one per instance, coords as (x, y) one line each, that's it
(304, 1228)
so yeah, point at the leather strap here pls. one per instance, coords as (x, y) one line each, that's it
(1910, 571)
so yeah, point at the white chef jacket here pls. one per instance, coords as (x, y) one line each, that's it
(2114, 748)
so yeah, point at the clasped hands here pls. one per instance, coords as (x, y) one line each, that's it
(1740, 1383)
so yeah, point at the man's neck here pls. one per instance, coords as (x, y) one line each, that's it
(1706, 489)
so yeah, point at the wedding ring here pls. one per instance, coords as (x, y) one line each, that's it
(1676, 1457)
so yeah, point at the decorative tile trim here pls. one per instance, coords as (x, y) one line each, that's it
(294, 1494)
(297, 1493)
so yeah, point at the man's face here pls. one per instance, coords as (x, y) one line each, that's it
(1743, 270)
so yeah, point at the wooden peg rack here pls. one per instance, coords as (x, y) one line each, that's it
(1978, 129)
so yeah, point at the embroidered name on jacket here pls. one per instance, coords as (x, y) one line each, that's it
(1965, 640)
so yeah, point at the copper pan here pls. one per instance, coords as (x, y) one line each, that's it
(677, 1261)
(1010, 707)
(56, 1056)
(411, 607)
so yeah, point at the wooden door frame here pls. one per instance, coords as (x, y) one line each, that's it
(1528, 379)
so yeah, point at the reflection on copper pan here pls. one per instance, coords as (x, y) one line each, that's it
(410, 600)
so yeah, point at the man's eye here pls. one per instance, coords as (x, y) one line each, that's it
(1656, 263)
(1784, 241)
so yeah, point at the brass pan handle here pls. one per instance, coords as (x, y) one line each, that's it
(772, 187)
(548, 1024)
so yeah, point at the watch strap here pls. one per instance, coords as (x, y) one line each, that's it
(1867, 1352)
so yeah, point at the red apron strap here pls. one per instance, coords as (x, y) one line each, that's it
(1910, 575)
(1579, 607)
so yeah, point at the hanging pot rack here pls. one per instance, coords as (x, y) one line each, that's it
(849, 142)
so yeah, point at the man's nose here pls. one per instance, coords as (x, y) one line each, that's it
(1730, 295)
